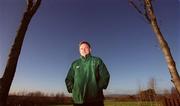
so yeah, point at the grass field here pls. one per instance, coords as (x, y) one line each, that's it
(116, 103)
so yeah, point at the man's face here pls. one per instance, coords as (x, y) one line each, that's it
(84, 49)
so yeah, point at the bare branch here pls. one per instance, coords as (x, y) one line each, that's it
(144, 14)
(175, 78)
(35, 7)
(30, 4)
(134, 5)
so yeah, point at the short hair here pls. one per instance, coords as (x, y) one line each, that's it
(85, 42)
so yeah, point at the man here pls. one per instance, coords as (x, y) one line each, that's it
(87, 77)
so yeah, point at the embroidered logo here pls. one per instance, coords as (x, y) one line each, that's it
(77, 66)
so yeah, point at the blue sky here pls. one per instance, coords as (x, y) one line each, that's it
(117, 33)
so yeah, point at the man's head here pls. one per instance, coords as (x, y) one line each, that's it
(84, 48)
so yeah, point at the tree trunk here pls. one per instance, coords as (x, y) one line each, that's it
(10, 69)
(164, 46)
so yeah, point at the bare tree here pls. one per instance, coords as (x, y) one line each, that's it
(152, 84)
(149, 15)
(10, 69)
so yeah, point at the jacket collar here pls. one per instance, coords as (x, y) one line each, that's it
(86, 57)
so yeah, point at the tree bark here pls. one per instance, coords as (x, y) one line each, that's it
(164, 46)
(10, 69)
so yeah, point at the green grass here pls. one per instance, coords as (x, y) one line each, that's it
(117, 103)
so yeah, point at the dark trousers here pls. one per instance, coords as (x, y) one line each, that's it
(100, 103)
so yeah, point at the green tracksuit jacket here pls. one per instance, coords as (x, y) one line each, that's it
(86, 79)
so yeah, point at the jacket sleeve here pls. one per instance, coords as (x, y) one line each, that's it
(70, 79)
(104, 76)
